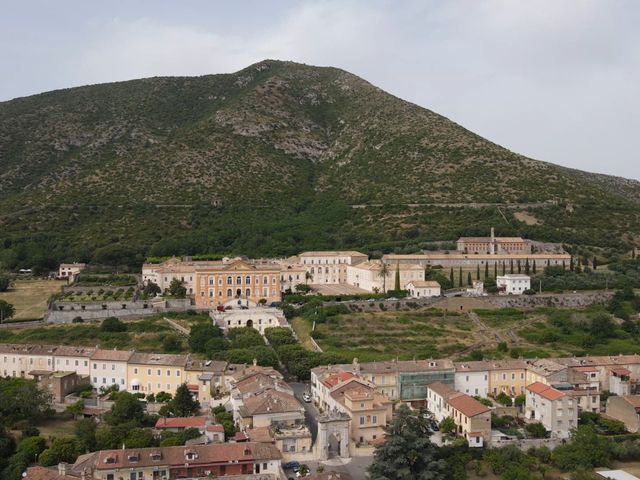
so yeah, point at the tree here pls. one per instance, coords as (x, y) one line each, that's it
(22, 399)
(151, 289)
(200, 334)
(460, 277)
(478, 271)
(495, 269)
(308, 276)
(407, 452)
(571, 265)
(139, 438)
(112, 324)
(519, 267)
(172, 343)
(536, 430)
(595, 263)
(302, 288)
(31, 447)
(74, 409)
(383, 273)
(504, 399)
(586, 449)
(534, 267)
(177, 289)
(5, 282)
(85, 431)
(504, 268)
(62, 449)
(527, 267)
(183, 404)
(6, 311)
(469, 281)
(451, 277)
(486, 270)
(511, 266)
(126, 407)
(448, 425)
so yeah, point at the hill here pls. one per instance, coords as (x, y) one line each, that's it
(276, 158)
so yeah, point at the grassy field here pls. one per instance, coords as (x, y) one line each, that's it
(143, 335)
(484, 333)
(30, 297)
(385, 335)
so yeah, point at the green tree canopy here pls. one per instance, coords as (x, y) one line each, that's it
(407, 452)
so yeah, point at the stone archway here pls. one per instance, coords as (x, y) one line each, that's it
(333, 435)
(249, 323)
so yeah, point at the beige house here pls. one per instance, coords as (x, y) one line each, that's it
(554, 409)
(506, 376)
(258, 318)
(626, 409)
(367, 275)
(156, 372)
(329, 267)
(492, 245)
(423, 288)
(109, 367)
(281, 413)
(70, 271)
(207, 376)
(513, 283)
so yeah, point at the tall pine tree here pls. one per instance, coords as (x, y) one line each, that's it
(478, 271)
(460, 277)
(451, 278)
(526, 266)
(486, 270)
(469, 281)
(397, 283)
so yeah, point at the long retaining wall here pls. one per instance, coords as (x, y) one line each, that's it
(65, 312)
(569, 300)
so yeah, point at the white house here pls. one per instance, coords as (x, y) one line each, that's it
(367, 275)
(513, 283)
(258, 318)
(472, 378)
(70, 270)
(109, 367)
(554, 409)
(437, 395)
(423, 288)
(329, 267)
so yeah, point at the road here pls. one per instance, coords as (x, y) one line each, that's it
(310, 411)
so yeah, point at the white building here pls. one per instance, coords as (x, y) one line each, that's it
(258, 318)
(73, 359)
(423, 288)
(70, 270)
(329, 267)
(513, 283)
(367, 275)
(109, 367)
(554, 409)
(437, 395)
(472, 378)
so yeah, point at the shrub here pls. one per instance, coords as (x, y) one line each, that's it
(112, 324)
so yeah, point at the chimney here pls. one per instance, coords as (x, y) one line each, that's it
(62, 468)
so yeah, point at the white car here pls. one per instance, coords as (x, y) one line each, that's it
(306, 397)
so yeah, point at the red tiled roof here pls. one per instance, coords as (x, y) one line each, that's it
(215, 428)
(545, 391)
(621, 371)
(467, 405)
(181, 422)
(333, 380)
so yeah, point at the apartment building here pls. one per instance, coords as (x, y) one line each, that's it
(329, 267)
(368, 275)
(492, 245)
(207, 376)
(513, 283)
(625, 408)
(554, 409)
(507, 376)
(468, 260)
(472, 378)
(625, 370)
(156, 372)
(109, 367)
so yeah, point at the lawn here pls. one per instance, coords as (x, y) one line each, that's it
(30, 297)
(373, 336)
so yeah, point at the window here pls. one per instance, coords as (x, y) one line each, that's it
(229, 292)
(374, 419)
(247, 280)
(229, 281)
(135, 371)
(361, 420)
(238, 280)
(210, 293)
(248, 292)
(168, 373)
(148, 371)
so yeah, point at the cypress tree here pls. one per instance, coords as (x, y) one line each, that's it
(460, 277)
(451, 278)
(534, 267)
(519, 267)
(595, 263)
(478, 271)
(486, 270)
(571, 265)
(564, 265)
(397, 285)
(469, 281)
(495, 269)
(511, 266)
(504, 268)
(526, 266)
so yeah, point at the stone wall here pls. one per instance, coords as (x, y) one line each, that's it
(65, 312)
(569, 300)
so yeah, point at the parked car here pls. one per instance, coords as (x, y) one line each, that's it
(220, 308)
(306, 397)
(291, 465)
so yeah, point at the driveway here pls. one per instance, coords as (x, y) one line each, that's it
(311, 413)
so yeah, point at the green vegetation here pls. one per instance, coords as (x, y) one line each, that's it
(121, 193)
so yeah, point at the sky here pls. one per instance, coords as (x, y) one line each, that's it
(555, 80)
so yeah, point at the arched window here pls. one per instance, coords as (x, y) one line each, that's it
(238, 280)
(229, 292)
(247, 280)
(229, 281)
(210, 280)
(312, 271)
(247, 292)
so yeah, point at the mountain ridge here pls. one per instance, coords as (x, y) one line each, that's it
(87, 166)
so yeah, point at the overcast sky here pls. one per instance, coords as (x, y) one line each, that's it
(554, 80)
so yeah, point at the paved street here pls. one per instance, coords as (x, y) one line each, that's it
(311, 412)
(356, 466)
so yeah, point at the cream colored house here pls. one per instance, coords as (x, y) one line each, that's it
(156, 372)
(554, 409)
(423, 288)
(513, 283)
(329, 266)
(70, 271)
(258, 318)
(109, 367)
(507, 376)
(367, 275)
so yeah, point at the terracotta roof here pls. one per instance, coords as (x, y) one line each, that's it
(215, 428)
(42, 473)
(112, 355)
(260, 434)
(337, 378)
(545, 391)
(633, 400)
(390, 257)
(488, 239)
(621, 371)
(215, 453)
(440, 388)
(181, 422)
(338, 253)
(467, 405)
(270, 401)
